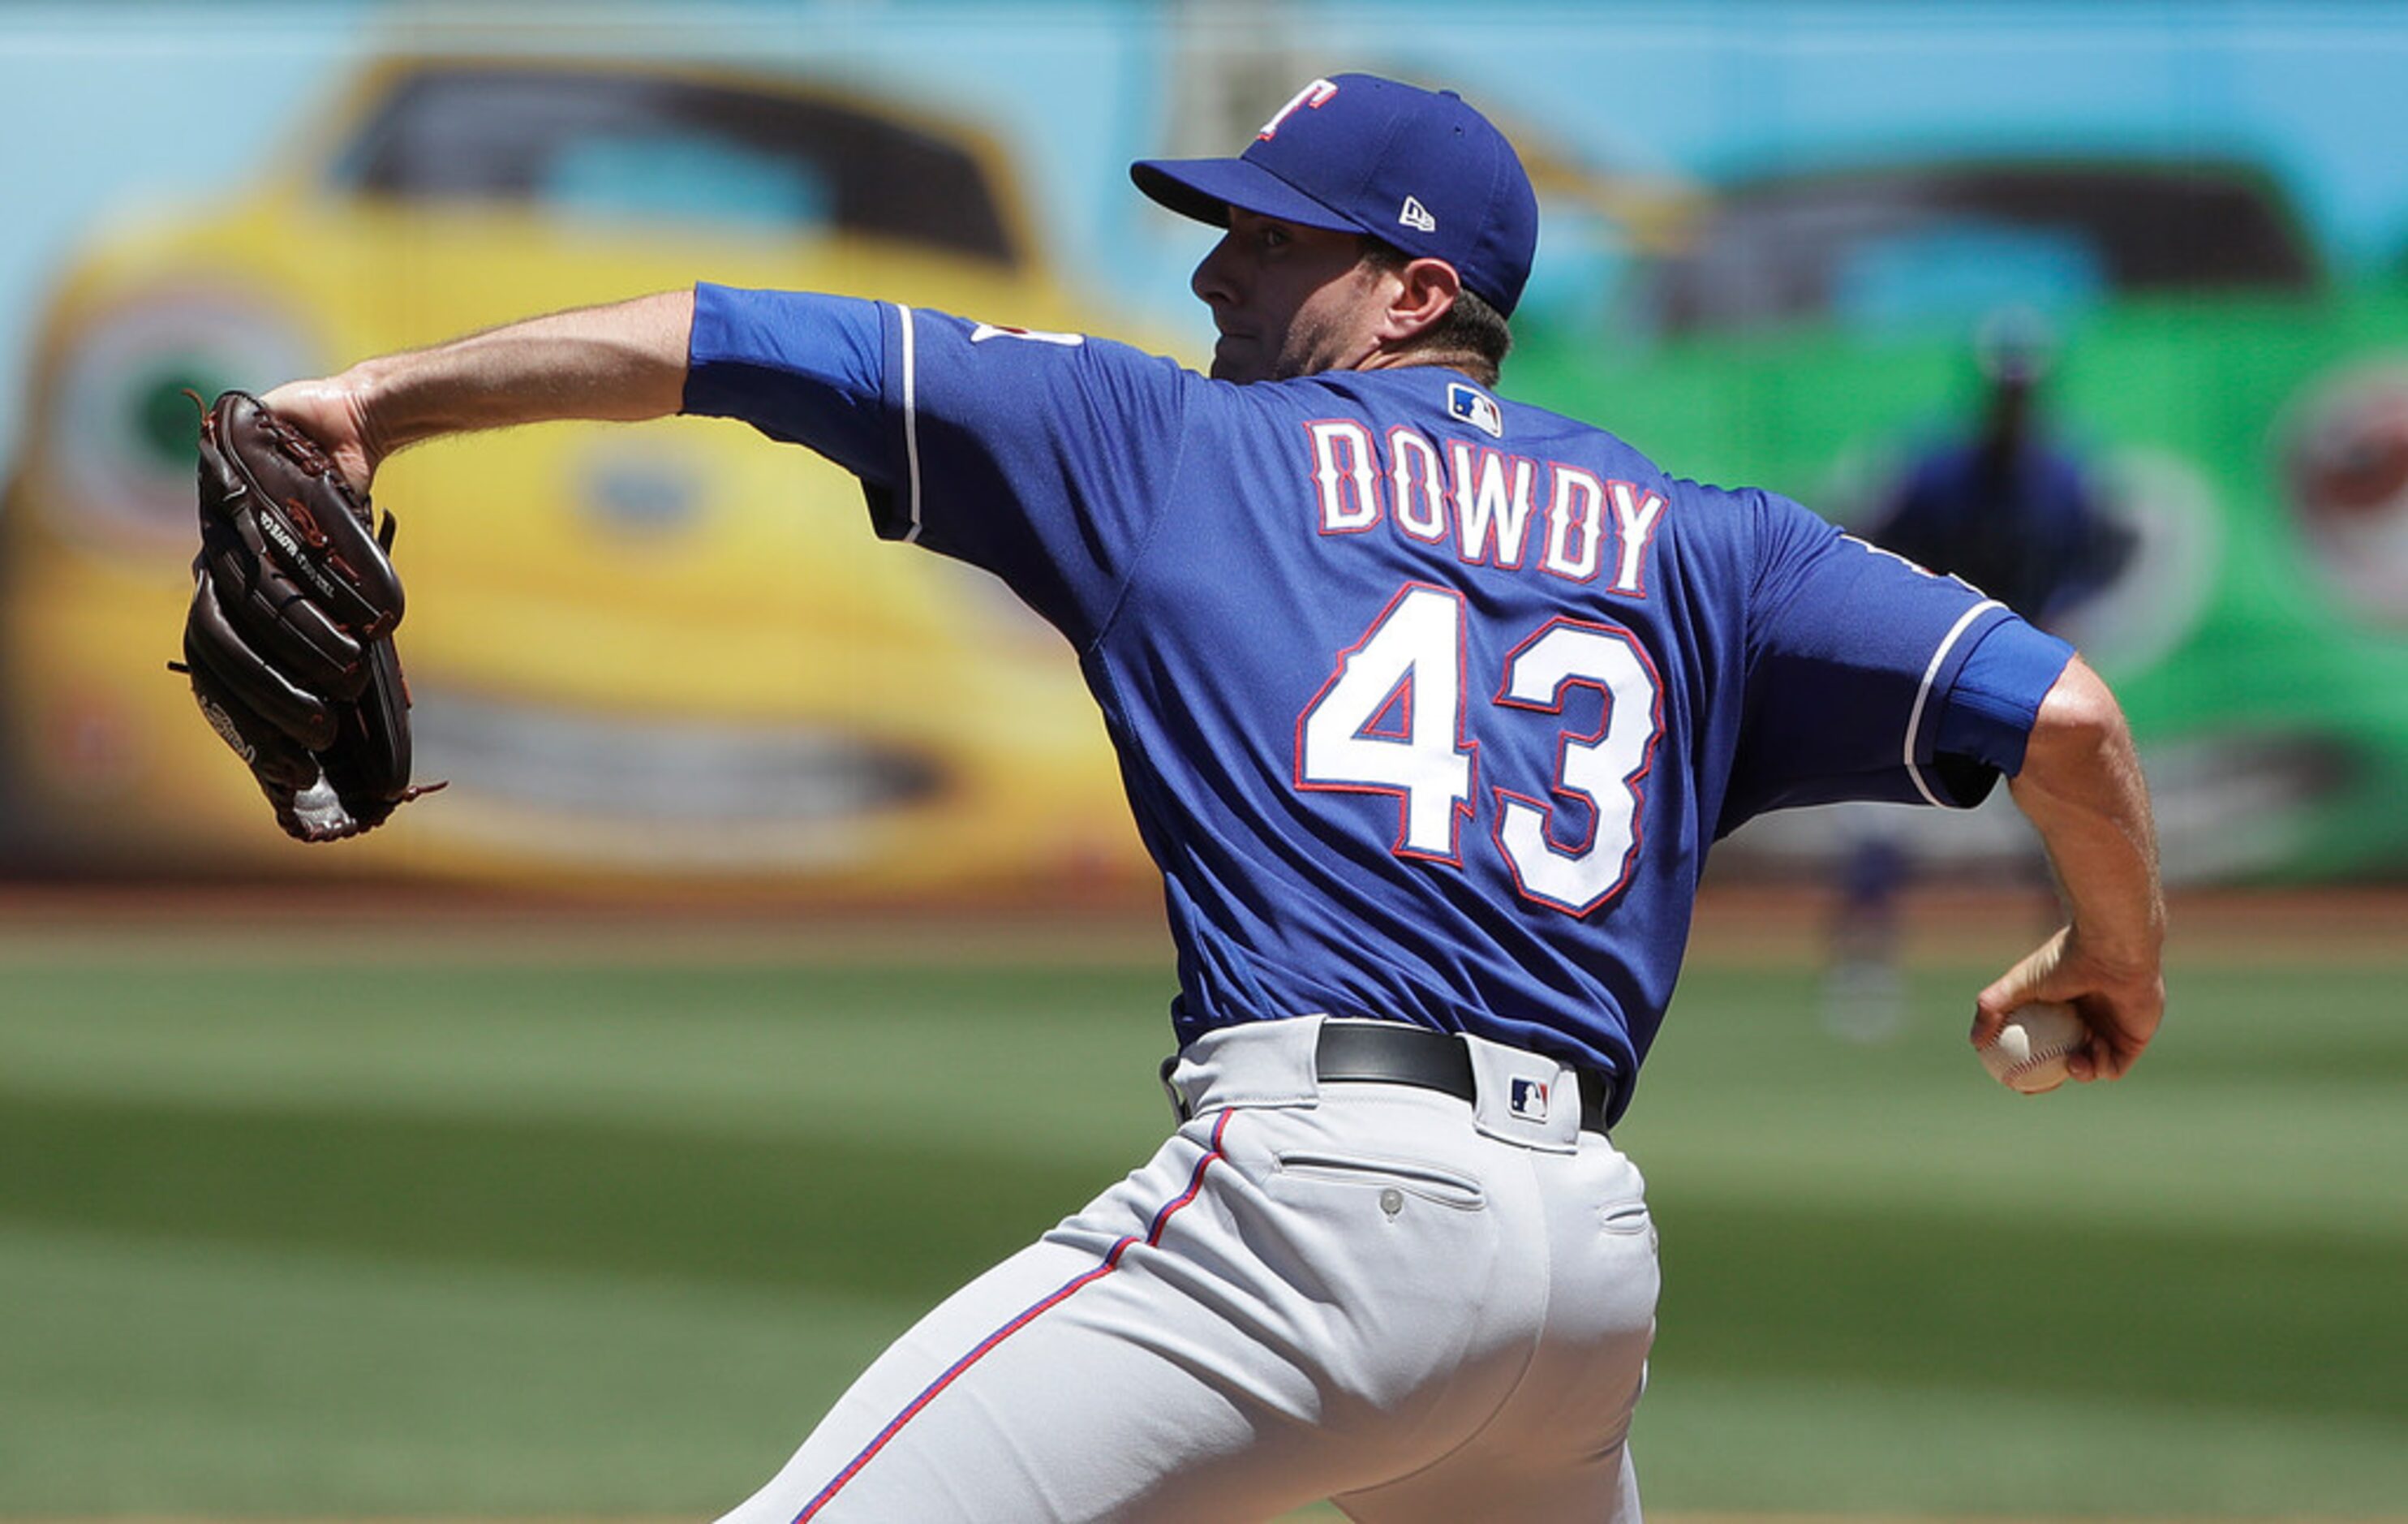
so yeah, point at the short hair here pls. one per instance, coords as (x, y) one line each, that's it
(1472, 336)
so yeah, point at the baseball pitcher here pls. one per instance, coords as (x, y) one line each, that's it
(1430, 706)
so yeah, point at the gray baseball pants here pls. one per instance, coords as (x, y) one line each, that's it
(1430, 1311)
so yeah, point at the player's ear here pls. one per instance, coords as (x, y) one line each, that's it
(1425, 293)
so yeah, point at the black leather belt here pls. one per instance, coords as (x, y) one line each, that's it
(1391, 1053)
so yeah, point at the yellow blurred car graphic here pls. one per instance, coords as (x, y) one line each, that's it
(666, 650)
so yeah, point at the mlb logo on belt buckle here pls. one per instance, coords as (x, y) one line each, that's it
(1528, 1100)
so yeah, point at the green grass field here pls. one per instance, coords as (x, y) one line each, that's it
(597, 1223)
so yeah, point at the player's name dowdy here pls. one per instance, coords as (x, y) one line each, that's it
(1494, 508)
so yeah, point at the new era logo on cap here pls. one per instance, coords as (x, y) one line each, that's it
(1417, 169)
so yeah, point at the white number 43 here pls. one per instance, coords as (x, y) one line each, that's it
(1392, 718)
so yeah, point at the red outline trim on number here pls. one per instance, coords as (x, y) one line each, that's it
(1111, 1263)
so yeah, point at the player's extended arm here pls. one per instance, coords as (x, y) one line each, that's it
(2081, 786)
(622, 363)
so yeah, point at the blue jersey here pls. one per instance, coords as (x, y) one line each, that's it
(1428, 704)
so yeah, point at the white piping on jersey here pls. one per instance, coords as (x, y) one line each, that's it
(1923, 695)
(910, 422)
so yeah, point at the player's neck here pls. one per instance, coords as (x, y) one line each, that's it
(1399, 359)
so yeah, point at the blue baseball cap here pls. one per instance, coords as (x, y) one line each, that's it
(1357, 154)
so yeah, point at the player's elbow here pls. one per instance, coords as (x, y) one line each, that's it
(2081, 748)
(2079, 721)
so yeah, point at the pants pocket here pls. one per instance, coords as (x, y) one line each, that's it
(1625, 1217)
(1430, 1182)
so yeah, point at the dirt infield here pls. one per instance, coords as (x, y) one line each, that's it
(1786, 924)
(1781, 925)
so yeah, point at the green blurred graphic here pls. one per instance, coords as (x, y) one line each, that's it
(2242, 414)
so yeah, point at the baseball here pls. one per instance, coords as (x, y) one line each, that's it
(2029, 1053)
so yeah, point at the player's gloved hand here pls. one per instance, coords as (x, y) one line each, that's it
(330, 413)
(289, 639)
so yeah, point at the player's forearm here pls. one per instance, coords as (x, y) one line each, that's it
(2081, 786)
(622, 363)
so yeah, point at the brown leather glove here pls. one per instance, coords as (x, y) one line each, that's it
(289, 642)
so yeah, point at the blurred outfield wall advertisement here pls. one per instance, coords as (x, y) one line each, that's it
(1773, 239)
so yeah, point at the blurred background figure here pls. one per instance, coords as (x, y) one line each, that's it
(2006, 507)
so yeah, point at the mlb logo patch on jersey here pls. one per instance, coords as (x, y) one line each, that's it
(1469, 405)
(1528, 1100)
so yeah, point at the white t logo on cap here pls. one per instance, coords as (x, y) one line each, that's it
(1417, 216)
(1315, 95)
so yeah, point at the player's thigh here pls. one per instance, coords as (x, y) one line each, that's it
(1055, 1389)
(1117, 1370)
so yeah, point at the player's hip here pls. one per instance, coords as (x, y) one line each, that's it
(1385, 1232)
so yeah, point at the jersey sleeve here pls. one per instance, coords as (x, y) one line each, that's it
(1044, 458)
(1854, 660)
(801, 368)
(1995, 701)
